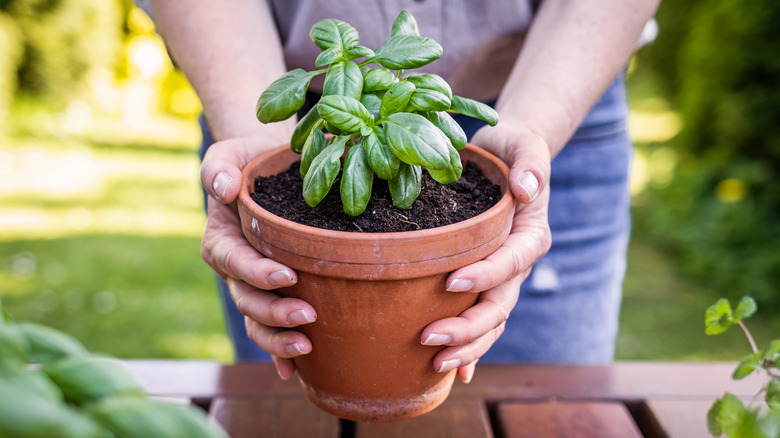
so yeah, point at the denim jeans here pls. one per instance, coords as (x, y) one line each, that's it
(568, 307)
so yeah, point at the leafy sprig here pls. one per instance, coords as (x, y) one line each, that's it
(393, 123)
(729, 414)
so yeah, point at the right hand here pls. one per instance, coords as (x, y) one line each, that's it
(250, 276)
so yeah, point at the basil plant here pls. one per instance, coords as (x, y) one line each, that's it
(390, 123)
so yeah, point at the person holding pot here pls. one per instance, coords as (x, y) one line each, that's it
(554, 72)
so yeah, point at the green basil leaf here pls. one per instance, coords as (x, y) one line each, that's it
(323, 171)
(745, 309)
(451, 173)
(372, 103)
(400, 52)
(88, 379)
(472, 108)
(396, 98)
(748, 364)
(773, 352)
(718, 317)
(315, 143)
(329, 56)
(343, 79)
(303, 129)
(406, 186)
(429, 100)
(773, 394)
(284, 97)
(448, 126)
(133, 417)
(416, 141)
(378, 79)
(13, 350)
(713, 422)
(405, 24)
(358, 52)
(380, 158)
(733, 414)
(356, 181)
(344, 113)
(333, 33)
(429, 81)
(46, 344)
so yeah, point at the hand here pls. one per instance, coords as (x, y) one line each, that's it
(498, 277)
(249, 275)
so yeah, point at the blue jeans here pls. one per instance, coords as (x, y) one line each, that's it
(568, 307)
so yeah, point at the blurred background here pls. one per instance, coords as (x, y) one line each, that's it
(101, 208)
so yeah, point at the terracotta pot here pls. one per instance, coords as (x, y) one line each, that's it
(374, 293)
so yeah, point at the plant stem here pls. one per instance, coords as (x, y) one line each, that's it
(748, 336)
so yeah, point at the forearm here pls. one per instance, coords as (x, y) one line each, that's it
(230, 52)
(571, 54)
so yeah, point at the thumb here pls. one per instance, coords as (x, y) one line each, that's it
(220, 172)
(530, 168)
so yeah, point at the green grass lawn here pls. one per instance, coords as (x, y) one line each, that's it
(100, 235)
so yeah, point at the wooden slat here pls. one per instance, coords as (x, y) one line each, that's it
(454, 418)
(679, 418)
(629, 381)
(278, 418)
(558, 419)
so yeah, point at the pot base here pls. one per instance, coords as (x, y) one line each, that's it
(382, 410)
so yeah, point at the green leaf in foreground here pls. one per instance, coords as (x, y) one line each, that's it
(732, 414)
(773, 394)
(401, 52)
(313, 146)
(745, 309)
(416, 141)
(473, 108)
(87, 379)
(748, 364)
(333, 33)
(718, 317)
(356, 181)
(284, 97)
(323, 171)
(405, 24)
(451, 173)
(396, 99)
(448, 126)
(344, 113)
(713, 422)
(380, 158)
(303, 129)
(344, 79)
(47, 344)
(406, 186)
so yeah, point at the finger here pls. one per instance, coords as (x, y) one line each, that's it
(278, 342)
(464, 355)
(285, 368)
(232, 256)
(465, 374)
(269, 309)
(220, 172)
(530, 168)
(526, 244)
(491, 310)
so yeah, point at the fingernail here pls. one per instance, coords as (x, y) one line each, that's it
(294, 349)
(281, 278)
(460, 285)
(437, 339)
(221, 183)
(469, 376)
(529, 183)
(299, 317)
(448, 365)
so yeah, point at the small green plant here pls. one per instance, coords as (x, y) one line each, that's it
(729, 414)
(393, 123)
(50, 386)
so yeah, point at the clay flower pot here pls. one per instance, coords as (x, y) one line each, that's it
(374, 293)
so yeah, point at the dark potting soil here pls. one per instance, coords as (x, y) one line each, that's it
(437, 205)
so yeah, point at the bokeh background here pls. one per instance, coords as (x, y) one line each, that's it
(101, 209)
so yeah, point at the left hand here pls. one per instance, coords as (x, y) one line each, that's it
(498, 277)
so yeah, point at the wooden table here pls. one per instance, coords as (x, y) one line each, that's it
(626, 399)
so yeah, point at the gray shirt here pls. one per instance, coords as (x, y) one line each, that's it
(480, 38)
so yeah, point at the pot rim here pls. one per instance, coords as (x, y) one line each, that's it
(247, 180)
